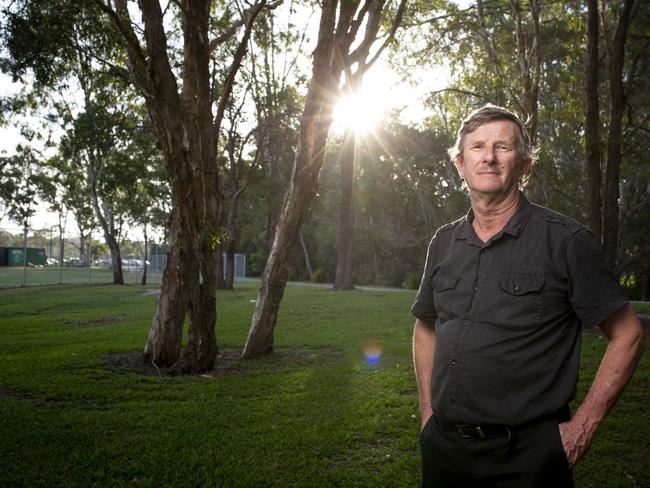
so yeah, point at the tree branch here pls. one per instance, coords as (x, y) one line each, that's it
(234, 67)
(246, 17)
(137, 57)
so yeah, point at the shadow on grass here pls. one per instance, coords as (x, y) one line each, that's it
(229, 362)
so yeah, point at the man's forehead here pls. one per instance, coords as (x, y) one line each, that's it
(500, 128)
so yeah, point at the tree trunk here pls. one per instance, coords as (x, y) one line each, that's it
(337, 32)
(493, 64)
(314, 126)
(231, 240)
(343, 279)
(305, 251)
(530, 60)
(82, 249)
(116, 259)
(592, 124)
(615, 139)
(106, 223)
(143, 280)
(163, 345)
(230, 264)
(185, 131)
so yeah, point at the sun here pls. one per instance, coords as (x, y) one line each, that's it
(361, 112)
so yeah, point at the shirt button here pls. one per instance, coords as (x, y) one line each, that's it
(465, 322)
(476, 288)
(454, 362)
(517, 289)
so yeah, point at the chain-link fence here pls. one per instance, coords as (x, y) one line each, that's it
(30, 257)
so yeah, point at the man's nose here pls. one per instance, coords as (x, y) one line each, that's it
(489, 155)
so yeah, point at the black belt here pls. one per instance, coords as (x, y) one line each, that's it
(468, 431)
(491, 431)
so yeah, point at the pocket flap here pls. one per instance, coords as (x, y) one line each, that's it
(520, 285)
(445, 282)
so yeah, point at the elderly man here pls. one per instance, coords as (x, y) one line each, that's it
(496, 343)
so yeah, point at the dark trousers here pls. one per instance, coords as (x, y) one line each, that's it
(530, 457)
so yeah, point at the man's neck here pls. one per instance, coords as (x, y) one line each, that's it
(493, 213)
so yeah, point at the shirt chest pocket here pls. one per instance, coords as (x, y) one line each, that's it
(520, 285)
(519, 297)
(446, 295)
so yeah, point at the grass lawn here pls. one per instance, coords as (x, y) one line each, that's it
(315, 414)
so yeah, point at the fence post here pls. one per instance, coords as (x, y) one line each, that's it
(60, 256)
(24, 283)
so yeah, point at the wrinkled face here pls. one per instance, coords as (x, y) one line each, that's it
(490, 162)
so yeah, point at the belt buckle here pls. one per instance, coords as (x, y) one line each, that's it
(468, 431)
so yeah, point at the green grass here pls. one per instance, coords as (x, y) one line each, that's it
(329, 419)
(642, 307)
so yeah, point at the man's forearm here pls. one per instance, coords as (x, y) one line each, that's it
(626, 345)
(424, 345)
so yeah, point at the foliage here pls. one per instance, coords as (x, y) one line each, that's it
(68, 418)
(21, 184)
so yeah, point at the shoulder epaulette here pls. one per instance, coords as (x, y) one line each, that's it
(573, 226)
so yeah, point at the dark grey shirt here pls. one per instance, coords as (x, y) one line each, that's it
(507, 314)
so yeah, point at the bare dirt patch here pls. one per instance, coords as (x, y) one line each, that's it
(230, 362)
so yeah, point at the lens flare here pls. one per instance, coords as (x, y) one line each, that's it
(372, 349)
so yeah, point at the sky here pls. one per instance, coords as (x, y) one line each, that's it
(383, 91)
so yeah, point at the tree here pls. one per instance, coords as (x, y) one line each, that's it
(616, 61)
(592, 123)
(21, 184)
(187, 132)
(207, 41)
(338, 29)
(240, 173)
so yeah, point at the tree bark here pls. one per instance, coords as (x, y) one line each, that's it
(163, 345)
(343, 279)
(592, 124)
(616, 57)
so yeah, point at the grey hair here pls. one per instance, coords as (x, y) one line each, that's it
(490, 113)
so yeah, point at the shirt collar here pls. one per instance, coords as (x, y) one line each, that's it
(514, 227)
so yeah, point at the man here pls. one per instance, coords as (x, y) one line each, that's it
(496, 343)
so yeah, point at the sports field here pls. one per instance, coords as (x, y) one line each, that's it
(78, 407)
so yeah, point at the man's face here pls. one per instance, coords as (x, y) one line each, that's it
(490, 161)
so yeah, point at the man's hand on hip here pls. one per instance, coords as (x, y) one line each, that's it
(576, 441)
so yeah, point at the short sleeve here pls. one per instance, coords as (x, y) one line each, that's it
(423, 307)
(594, 292)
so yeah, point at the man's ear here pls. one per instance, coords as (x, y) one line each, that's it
(458, 162)
(526, 165)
